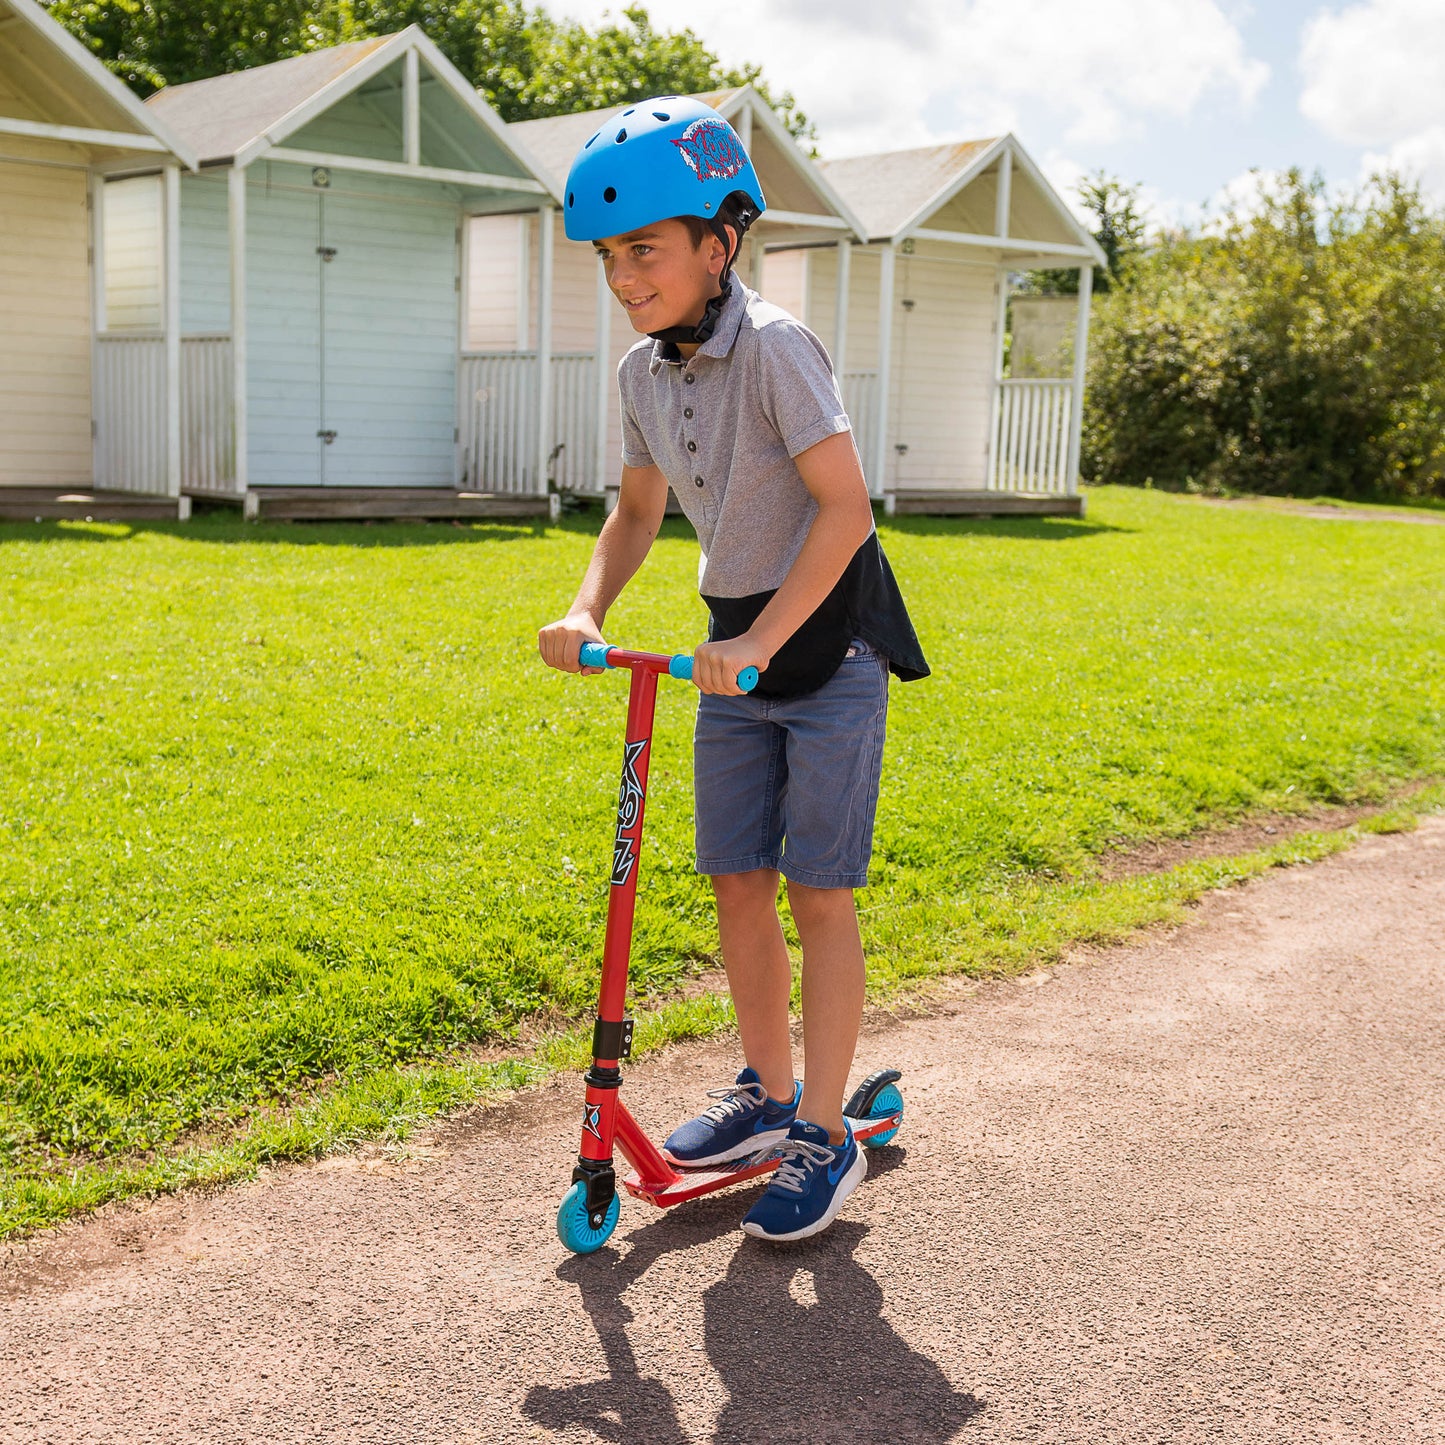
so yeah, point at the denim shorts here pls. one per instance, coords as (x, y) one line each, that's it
(792, 784)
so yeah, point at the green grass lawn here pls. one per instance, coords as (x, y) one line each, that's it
(289, 809)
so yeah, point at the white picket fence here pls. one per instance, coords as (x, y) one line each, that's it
(498, 422)
(208, 432)
(1030, 450)
(860, 399)
(496, 416)
(130, 414)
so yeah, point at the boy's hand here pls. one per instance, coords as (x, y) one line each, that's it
(561, 642)
(715, 665)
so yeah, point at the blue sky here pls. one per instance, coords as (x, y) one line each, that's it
(1185, 97)
(1192, 159)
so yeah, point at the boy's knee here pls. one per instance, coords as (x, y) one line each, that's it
(810, 902)
(755, 888)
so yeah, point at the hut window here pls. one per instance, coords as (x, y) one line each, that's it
(132, 249)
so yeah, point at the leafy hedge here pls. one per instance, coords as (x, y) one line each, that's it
(1298, 349)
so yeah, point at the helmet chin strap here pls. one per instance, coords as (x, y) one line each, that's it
(702, 332)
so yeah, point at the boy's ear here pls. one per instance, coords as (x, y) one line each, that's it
(718, 253)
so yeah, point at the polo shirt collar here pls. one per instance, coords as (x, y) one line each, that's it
(725, 333)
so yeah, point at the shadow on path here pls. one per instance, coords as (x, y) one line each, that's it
(796, 1368)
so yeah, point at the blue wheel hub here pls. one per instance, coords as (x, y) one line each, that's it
(888, 1101)
(575, 1227)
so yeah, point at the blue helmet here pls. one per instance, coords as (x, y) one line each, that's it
(666, 157)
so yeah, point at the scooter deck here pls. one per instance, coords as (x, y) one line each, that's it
(690, 1183)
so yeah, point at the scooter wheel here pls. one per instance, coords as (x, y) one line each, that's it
(888, 1101)
(574, 1225)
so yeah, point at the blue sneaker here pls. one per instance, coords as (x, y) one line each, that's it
(813, 1180)
(746, 1122)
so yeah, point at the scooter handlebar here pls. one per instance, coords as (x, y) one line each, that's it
(679, 665)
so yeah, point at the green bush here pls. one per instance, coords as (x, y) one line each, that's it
(1296, 350)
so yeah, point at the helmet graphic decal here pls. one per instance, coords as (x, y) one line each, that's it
(711, 148)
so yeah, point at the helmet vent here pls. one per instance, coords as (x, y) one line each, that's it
(609, 195)
(590, 142)
(662, 115)
(629, 112)
(571, 198)
(621, 136)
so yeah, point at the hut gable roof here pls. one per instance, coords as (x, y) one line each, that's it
(49, 80)
(954, 188)
(220, 116)
(792, 183)
(348, 101)
(555, 139)
(889, 190)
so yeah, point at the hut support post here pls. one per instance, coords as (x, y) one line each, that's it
(1081, 356)
(97, 317)
(544, 348)
(1000, 325)
(840, 319)
(236, 195)
(885, 374)
(411, 110)
(603, 394)
(171, 324)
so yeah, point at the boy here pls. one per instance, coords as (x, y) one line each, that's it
(734, 404)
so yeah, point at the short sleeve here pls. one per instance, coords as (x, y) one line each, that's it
(635, 451)
(797, 389)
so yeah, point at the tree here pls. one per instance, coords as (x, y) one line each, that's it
(1296, 349)
(525, 62)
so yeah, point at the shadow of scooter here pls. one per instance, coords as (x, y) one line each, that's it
(794, 1370)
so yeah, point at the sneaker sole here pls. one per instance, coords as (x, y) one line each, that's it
(846, 1185)
(756, 1145)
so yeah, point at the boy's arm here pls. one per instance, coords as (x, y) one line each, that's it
(621, 546)
(831, 472)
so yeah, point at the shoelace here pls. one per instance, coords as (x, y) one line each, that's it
(736, 1100)
(799, 1158)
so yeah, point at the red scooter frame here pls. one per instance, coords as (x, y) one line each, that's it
(589, 1210)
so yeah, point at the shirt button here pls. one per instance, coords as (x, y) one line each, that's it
(687, 412)
(698, 480)
(689, 378)
(692, 446)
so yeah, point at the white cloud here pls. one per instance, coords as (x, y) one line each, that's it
(1420, 156)
(875, 77)
(1374, 73)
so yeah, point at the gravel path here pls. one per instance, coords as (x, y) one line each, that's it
(1187, 1190)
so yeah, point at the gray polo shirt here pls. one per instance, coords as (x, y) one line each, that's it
(724, 428)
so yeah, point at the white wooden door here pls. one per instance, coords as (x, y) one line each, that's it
(389, 354)
(283, 268)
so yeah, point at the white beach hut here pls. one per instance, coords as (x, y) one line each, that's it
(321, 287)
(584, 335)
(69, 427)
(944, 429)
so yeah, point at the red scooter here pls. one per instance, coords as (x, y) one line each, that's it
(589, 1210)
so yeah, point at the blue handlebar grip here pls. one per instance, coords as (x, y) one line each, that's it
(681, 667)
(593, 654)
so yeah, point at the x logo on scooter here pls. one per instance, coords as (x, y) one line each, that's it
(592, 1119)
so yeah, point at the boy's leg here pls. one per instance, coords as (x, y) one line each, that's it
(833, 982)
(759, 973)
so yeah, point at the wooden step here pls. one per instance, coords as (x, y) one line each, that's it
(48, 504)
(317, 504)
(927, 502)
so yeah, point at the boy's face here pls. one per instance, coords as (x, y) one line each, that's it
(659, 276)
